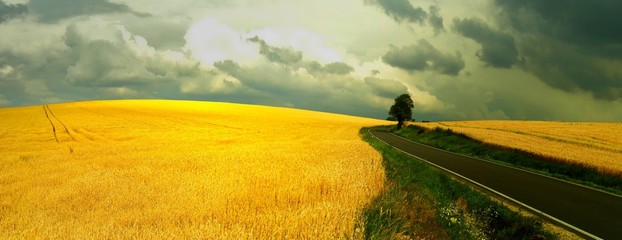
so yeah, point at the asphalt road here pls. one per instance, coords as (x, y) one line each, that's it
(591, 212)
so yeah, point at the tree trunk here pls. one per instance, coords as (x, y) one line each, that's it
(400, 123)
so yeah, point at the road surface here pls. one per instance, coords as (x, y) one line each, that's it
(590, 213)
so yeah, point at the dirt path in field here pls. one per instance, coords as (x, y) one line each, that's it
(586, 211)
(48, 113)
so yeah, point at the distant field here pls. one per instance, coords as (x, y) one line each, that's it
(182, 169)
(595, 144)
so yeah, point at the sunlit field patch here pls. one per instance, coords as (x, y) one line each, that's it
(598, 145)
(183, 169)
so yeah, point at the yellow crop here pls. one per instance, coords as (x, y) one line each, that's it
(180, 169)
(595, 144)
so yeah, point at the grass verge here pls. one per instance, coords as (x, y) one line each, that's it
(460, 143)
(421, 202)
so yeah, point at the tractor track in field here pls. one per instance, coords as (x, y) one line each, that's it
(48, 113)
(51, 123)
(61, 123)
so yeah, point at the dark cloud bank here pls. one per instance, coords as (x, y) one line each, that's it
(423, 56)
(292, 58)
(51, 11)
(498, 48)
(570, 45)
(10, 11)
(404, 11)
(401, 10)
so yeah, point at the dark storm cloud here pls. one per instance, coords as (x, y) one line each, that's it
(570, 45)
(275, 79)
(423, 56)
(582, 22)
(101, 63)
(119, 62)
(435, 20)
(169, 34)
(272, 78)
(275, 84)
(228, 66)
(387, 88)
(498, 48)
(563, 67)
(10, 11)
(50, 11)
(293, 58)
(30, 66)
(87, 68)
(277, 54)
(338, 68)
(401, 10)
(11, 88)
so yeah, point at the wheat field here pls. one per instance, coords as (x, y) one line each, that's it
(598, 145)
(144, 169)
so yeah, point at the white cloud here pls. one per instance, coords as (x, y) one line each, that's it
(6, 70)
(212, 82)
(309, 43)
(211, 41)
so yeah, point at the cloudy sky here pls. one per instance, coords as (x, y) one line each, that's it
(478, 59)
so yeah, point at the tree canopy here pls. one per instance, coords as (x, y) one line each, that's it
(402, 109)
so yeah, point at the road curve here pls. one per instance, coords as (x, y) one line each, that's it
(589, 212)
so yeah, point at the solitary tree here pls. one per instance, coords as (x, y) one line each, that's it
(402, 110)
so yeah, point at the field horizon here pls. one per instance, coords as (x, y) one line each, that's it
(193, 101)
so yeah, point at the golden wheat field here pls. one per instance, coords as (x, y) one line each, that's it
(595, 144)
(144, 169)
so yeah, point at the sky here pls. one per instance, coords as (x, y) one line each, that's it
(557, 60)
